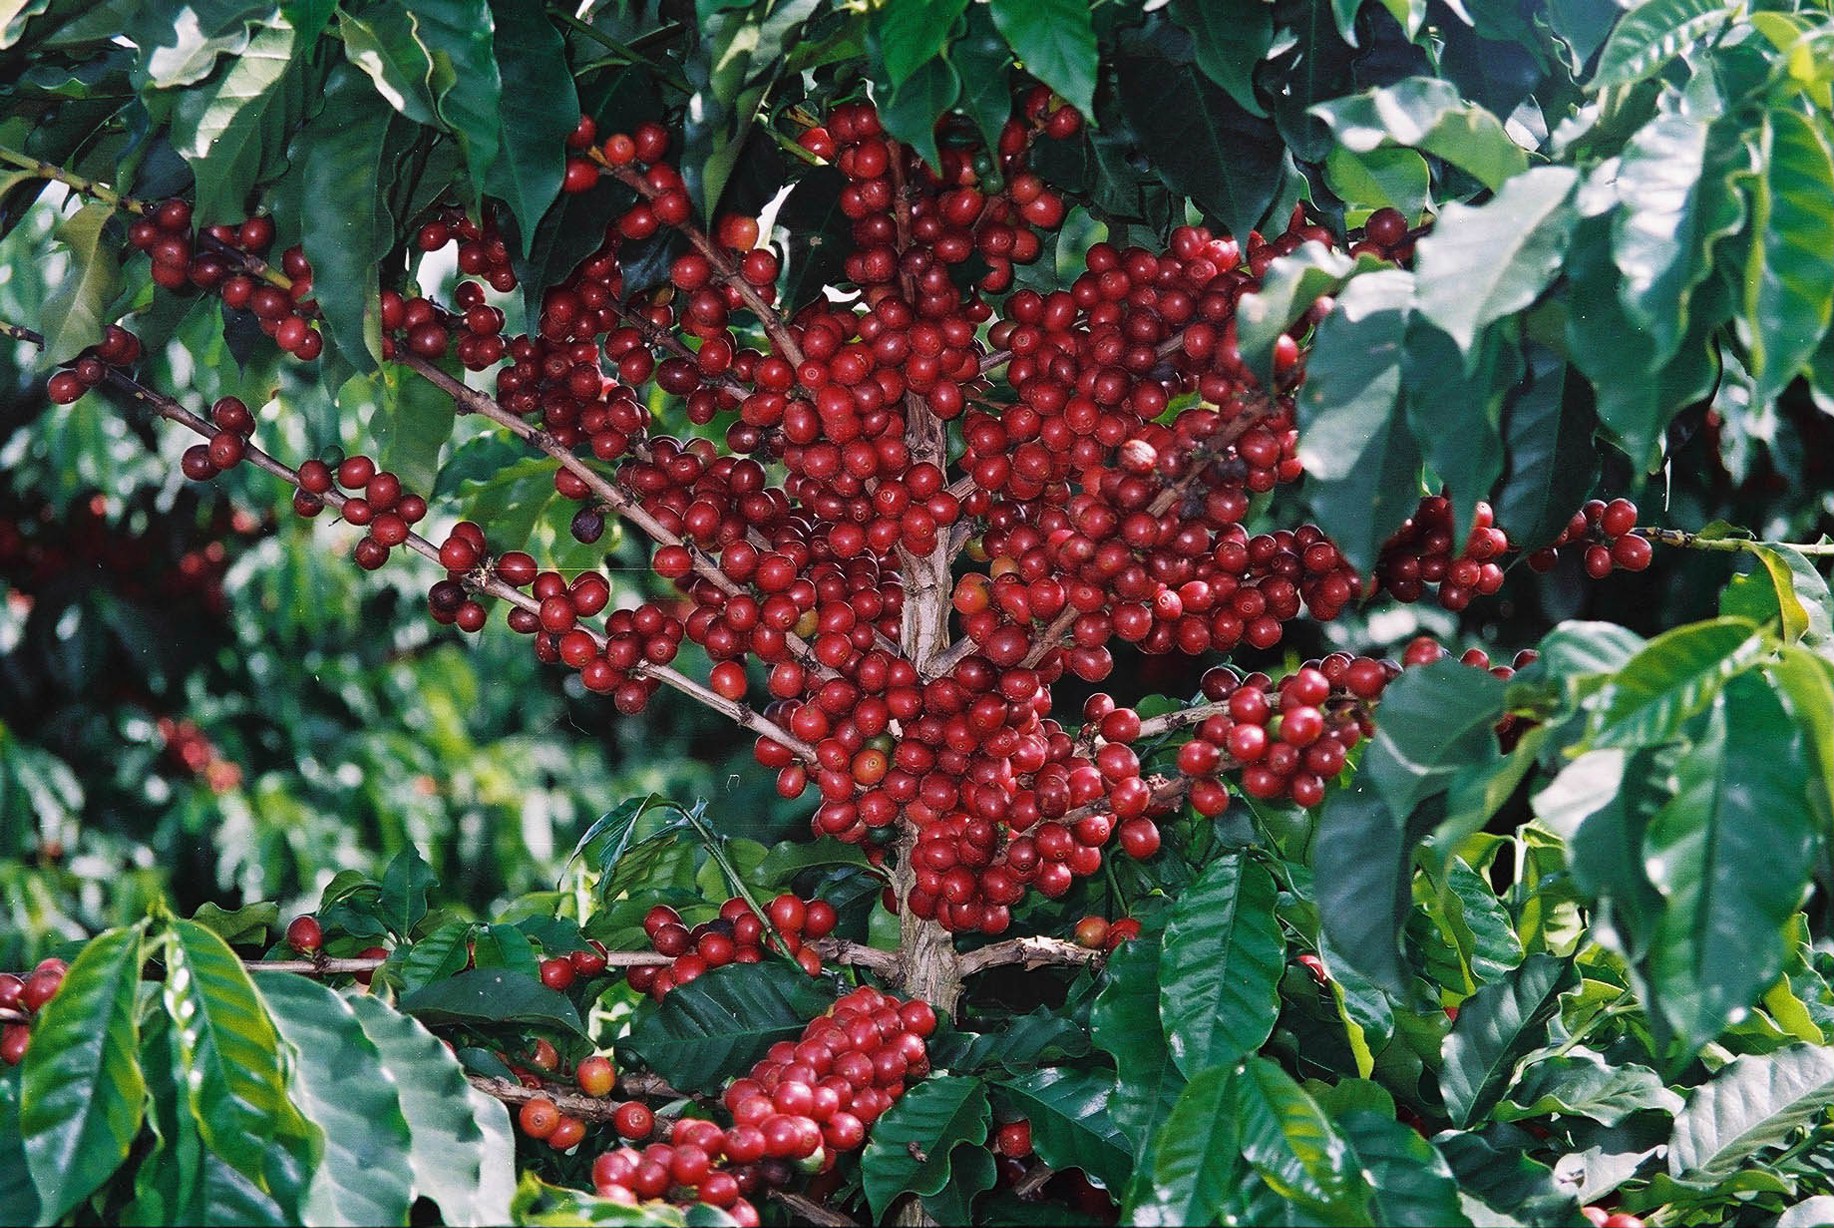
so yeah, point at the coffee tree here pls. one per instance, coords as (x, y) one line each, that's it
(910, 385)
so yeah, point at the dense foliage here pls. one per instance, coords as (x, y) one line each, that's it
(1148, 485)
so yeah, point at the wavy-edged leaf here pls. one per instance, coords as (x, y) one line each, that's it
(1219, 973)
(913, 1145)
(455, 1161)
(340, 1083)
(1427, 114)
(539, 109)
(1385, 176)
(381, 41)
(1293, 1145)
(1055, 40)
(231, 1069)
(1650, 35)
(911, 111)
(81, 1083)
(1071, 1127)
(1439, 721)
(1756, 1101)
(458, 37)
(1550, 458)
(911, 34)
(1496, 1027)
(78, 307)
(1287, 291)
(1409, 1182)
(1785, 587)
(1673, 677)
(1198, 1162)
(347, 227)
(216, 127)
(435, 957)
(1789, 273)
(247, 925)
(1029, 1040)
(1482, 262)
(1231, 37)
(1731, 854)
(405, 884)
(1581, 1083)
(493, 995)
(717, 1025)
(1476, 924)
(1494, 1168)
(1124, 1022)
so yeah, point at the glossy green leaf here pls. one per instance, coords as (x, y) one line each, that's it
(1071, 1128)
(217, 126)
(1363, 858)
(539, 110)
(1125, 1023)
(540, 1205)
(1231, 37)
(1797, 594)
(911, 112)
(412, 422)
(1581, 1083)
(506, 948)
(1361, 459)
(1290, 1142)
(18, 1197)
(1409, 1183)
(1494, 1168)
(1806, 682)
(1476, 924)
(493, 995)
(1602, 804)
(1055, 42)
(1650, 35)
(1808, 1213)
(381, 41)
(1198, 1163)
(1675, 676)
(346, 221)
(1037, 1038)
(911, 34)
(1427, 114)
(716, 1026)
(913, 1145)
(404, 891)
(1757, 1101)
(1483, 262)
(175, 52)
(340, 1083)
(1789, 272)
(1385, 176)
(1455, 409)
(984, 62)
(1220, 969)
(1440, 719)
(458, 38)
(1731, 855)
(81, 1083)
(461, 1157)
(247, 925)
(1549, 457)
(78, 307)
(1496, 1027)
(1292, 284)
(231, 1069)
(435, 957)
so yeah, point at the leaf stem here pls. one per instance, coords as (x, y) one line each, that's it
(1730, 545)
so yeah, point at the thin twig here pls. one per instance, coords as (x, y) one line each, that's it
(810, 1211)
(1729, 545)
(577, 1104)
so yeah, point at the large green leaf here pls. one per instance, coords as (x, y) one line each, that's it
(1219, 974)
(1361, 459)
(1496, 1027)
(1385, 176)
(232, 1072)
(1363, 859)
(1427, 114)
(1292, 284)
(1756, 1101)
(1455, 411)
(1068, 1109)
(183, 52)
(460, 1156)
(381, 41)
(1789, 272)
(1731, 855)
(1408, 1182)
(1787, 587)
(539, 110)
(458, 38)
(18, 1197)
(912, 33)
(717, 1025)
(82, 1085)
(911, 112)
(1124, 1022)
(913, 1146)
(404, 892)
(1602, 803)
(1017, 1044)
(1295, 1148)
(1581, 1083)
(1230, 36)
(347, 224)
(1198, 1163)
(493, 995)
(1483, 262)
(1476, 924)
(1674, 677)
(76, 310)
(1494, 1168)
(340, 1083)
(217, 126)
(1436, 721)
(1650, 35)
(1055, 41)
(1550, 458)
(1806, 682)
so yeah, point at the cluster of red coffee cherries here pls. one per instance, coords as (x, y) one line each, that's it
(374, 500)
(1420, 554)
(27, 995)
(191, 751)
(737, 936)
(235, 426)
(118, 348)
(1606, 532)
(807, 1102)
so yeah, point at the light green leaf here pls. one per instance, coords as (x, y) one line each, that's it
(1496, 1027)
(1789, 273)
(1754, 1102)
(1290, 1142)
(381, 41)
(1581, 1083)
(1385, 176)
(78, 307)
(1673, 677)
(1428, 114)
(1650, 35)
(1220, 970)
(1055, 41)
(217, 126)
(457, 36)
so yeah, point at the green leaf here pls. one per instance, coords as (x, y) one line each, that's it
(1055, 41)
(1198, 1164)
(1196, 137)
(340, 1084)
(1220, 970)
(1125, 1023)
(183, 52)
(411, 424)
(493, 995)
(1021, 1043)
(347, 228)
(458, 37)
(382, 42)
(1602, 803)
(1231, 37)
(910, 114)
(217, 126)
(81, 1084)
(435, 957)
(913, 1145)
(1483, 262)
(539, 108)
(1427, 114)
(1793, 592)
(18, 1197)
(1290, 1142)
(1550, 458)
(984, 63)
(1675, 202)
(1806, 682)
(247, 925)
(913, 33)
(76, 310)
(1290, 287)
(461, 1158)
(1650, 35)
(1385, 176)
(230, 1067)
(1756, 1101)
(740, 57)
(1437, 720)
(1476, 924)
(717, 1025)
(1455, 411)
(1581, 1083)
(1808, 1213)
(1789, 274)
(1361, 460)
(1494, 1168)
(1674, 677)
(1363, 858)
(505, 947)
(1731, 855)
(404, 891)
(1409, 1182)
(1496, 1027)
(1071, 1127)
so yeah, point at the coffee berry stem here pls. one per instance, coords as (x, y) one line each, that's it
(76, 183)
(1729, 545)
(8, 1015)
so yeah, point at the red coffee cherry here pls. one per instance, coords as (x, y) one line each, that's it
(305, 935)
